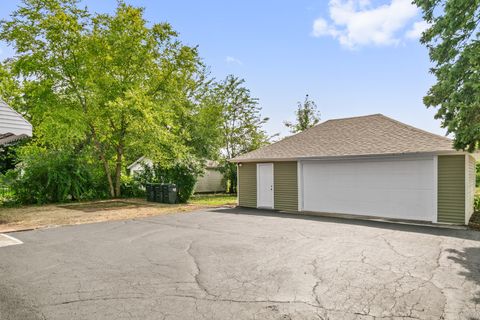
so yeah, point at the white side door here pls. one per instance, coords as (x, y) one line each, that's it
(265, 185)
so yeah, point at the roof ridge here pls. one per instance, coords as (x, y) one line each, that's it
(355, 117)
(415, 128)
(320, 123)
(373, 134)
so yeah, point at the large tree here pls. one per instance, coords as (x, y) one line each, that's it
(112, 84)
(453, 43)
(306, 116)
(242, 125)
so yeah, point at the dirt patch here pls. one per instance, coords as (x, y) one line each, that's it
(475, 221)
(104, 205)
(32, 217)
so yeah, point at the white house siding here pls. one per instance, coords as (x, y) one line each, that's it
(469, 186)
(12, 122)
(211, 181)
(139, 166)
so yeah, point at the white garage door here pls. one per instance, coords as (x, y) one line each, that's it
(402, 189)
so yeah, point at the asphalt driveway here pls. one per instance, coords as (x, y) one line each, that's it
(241, 264)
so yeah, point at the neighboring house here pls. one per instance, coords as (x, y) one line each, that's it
(370, 166)
(13, 126)
(211, 181)
(138, 166)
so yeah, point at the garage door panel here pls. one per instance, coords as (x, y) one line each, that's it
(390, 188)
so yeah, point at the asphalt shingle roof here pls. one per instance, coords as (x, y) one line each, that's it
(8, 138)
(366, 135)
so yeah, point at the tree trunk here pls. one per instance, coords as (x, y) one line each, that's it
(104, 161)
(109, 176)
(233, 181)
(233, 185)
(118, 171)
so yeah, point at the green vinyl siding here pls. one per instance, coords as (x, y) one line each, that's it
(285, 186)
(451, 189)
(247, 185)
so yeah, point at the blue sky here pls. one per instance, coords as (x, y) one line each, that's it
(353, 57)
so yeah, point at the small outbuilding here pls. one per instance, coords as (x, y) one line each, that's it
(370, 166)
(210, 182)
(212, 179)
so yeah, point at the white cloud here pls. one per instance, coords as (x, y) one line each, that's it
(356, 23)
(417, 29)
(234, 60)
(322, 28)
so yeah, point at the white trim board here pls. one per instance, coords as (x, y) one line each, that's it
(435, 188)
(300, 185)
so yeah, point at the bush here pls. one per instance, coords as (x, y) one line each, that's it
(6, 193)
(476, 203)
(9, 157)
(478, 175)
(55, 176)
(182, 173)
(132, 187)
(229, 171)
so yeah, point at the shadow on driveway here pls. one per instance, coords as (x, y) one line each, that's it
(469, 259)
(388, 225)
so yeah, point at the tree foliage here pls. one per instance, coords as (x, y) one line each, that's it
(8, 155)
(454, 47)
(55, 176)
(306, 116)
(184, 174)
(109, 84)
(477, 176)
(242, 123)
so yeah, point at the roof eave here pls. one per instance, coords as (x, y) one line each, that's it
(353, 156)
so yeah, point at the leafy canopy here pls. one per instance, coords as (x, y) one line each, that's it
(306, 116)
(242, 124)
(454, 47)
(109, 84)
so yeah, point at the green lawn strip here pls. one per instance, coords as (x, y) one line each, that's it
(214, 200)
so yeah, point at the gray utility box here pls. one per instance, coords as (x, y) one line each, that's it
(162, 192)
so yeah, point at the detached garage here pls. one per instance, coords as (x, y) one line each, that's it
(369, 166)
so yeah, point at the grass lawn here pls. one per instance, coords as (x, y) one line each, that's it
(31, 217)
(214, 200)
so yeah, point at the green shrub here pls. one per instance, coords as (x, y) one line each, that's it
(476, 203)
(132, 187)
(9, 157)
(229, 171)
(55, 176)
(182, 173)
(478, 175)
(6, 193)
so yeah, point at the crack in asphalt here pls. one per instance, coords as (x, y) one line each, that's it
(197, 270)
(97, 299)
(286, 268)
